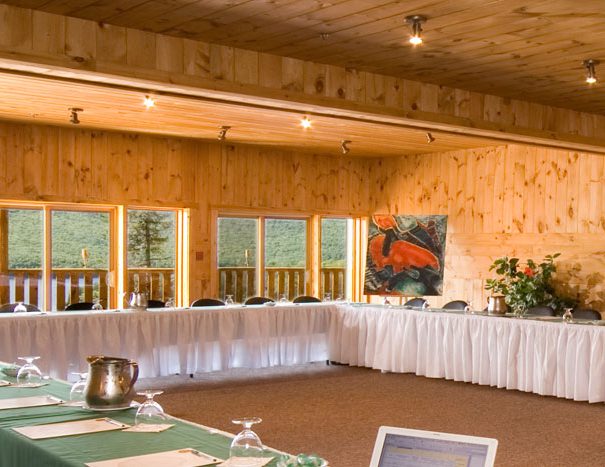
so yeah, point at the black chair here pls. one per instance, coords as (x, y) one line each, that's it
(10, 307)
(541, 311)
(155, 304)
(455, 305)
(257, 301)
(415, 302)
(586, 313)
(306, 299)
(207, 302)
(79, 306)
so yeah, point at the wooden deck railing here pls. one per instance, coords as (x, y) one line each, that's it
(241, 282)
(81, 285)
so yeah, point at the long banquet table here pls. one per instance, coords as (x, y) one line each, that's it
(540, 356)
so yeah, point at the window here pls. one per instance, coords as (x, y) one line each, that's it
(335, 257)
(52, 255)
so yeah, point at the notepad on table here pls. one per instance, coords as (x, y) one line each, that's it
(187, 457)
(33, 401)
(79, 427)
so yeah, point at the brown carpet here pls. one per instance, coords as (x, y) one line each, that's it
(335, 411)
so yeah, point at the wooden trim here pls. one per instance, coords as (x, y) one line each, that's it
(260, 256)
(314, 254)
(47, 258)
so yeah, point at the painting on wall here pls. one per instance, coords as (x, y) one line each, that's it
(405, 255)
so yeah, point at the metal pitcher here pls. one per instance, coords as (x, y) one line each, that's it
(496, 305)
(138, 300)
(110, 383)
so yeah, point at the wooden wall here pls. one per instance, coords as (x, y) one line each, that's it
(512, 200)
(44, 163)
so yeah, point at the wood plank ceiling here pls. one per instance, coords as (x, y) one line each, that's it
(530, 50)
(46, 100)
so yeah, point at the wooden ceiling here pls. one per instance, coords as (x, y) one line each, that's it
(47, 100)
(530, 50)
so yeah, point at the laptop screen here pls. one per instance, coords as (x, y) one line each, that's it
(433, 449)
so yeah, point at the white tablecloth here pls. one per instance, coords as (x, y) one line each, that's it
(557, 359)
(166, 342)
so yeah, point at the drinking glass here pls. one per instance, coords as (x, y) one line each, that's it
(327, 297)
(229, 300)
(169, 303)
(20, 308)
(77, 389)
(246, 443)
(469, 306)
(96, 304)
(426, 305)
(283, 298)
(29, 374)
(568, 315)
(150, 412)
(386, 301)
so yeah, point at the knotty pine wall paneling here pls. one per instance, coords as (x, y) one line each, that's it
(513, 200)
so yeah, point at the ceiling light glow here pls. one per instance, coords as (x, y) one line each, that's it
(149, 102)
(305, 122)
(416, 22)
(591, 76)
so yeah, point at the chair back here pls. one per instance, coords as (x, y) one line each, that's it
(541, 311)
(257, 301)
(455, 305)
(10, 307)
(155, 304)
(416, 302)
(79, 306)
(586, 313)
(306, 299)
(207, 302)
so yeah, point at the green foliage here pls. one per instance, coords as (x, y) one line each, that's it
(25, 239)
(151, 239)
(529, 286)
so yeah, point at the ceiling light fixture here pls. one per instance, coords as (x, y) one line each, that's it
(344, 146)
(416, 22)
(591, 76)
(149, 102)
(305, 122)
(429, 137)
(222, 133)
(73, 115)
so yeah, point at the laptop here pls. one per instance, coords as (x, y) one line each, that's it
(403, 447)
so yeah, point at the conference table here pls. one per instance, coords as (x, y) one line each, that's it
(544, 355)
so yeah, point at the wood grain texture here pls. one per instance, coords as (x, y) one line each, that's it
(510, 200)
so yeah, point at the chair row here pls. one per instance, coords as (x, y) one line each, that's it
(252, 301)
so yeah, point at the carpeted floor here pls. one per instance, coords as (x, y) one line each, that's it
(335, 411)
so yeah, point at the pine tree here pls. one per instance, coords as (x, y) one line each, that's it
(147, 237)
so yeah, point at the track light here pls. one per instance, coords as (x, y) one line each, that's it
(429, 137)
(344, 146)
(305, 122)
(416, 22)
(591, 76)
(73, 115)
(149, 102)
(222, 133)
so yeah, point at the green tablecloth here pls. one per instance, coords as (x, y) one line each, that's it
(17, 450)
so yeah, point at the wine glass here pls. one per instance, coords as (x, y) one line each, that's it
(386, 301)
(246, 443)
(469, 306)
(169, 303)
(283, 299)
(150, 412)
(229, 300)
(426, 305)
(29, 374)
(327, 297)
(20, 308)
(77, 389)
(568, 315)
(96, 304)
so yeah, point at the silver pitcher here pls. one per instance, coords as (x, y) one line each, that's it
(496, 305)
(138, 300)
(110, 383)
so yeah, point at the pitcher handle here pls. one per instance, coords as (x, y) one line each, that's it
(135, 372)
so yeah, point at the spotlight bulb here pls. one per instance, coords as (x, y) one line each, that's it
(415, 40)
(591, 80)
(148, 102)
(305, 122)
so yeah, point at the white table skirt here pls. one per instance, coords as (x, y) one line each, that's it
(166, 342)
(557, 359)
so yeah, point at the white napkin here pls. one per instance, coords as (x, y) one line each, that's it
(149, 428)
(246, 461)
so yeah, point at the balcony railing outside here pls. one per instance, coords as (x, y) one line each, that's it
(240, 282)
(81, 285)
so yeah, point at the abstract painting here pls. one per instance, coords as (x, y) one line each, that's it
(405, 255)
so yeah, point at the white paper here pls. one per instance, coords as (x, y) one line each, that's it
(80, 427)
(4, 383)
(29, 385)
(149, 428)
(187, 457)
(246, 461)
(33, 401)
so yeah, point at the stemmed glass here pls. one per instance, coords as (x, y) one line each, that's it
(20, 308)
(29, 374)
(169, 303)
(96, 304)
(150, 412)
(77, 389)
(469, 306)
(568, 315)
(327, 297)
(283, 299)
(229, 300)
(246, 443)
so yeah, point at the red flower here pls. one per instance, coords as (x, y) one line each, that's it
(529, 272)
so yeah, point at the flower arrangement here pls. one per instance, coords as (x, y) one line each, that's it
(527, 286)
